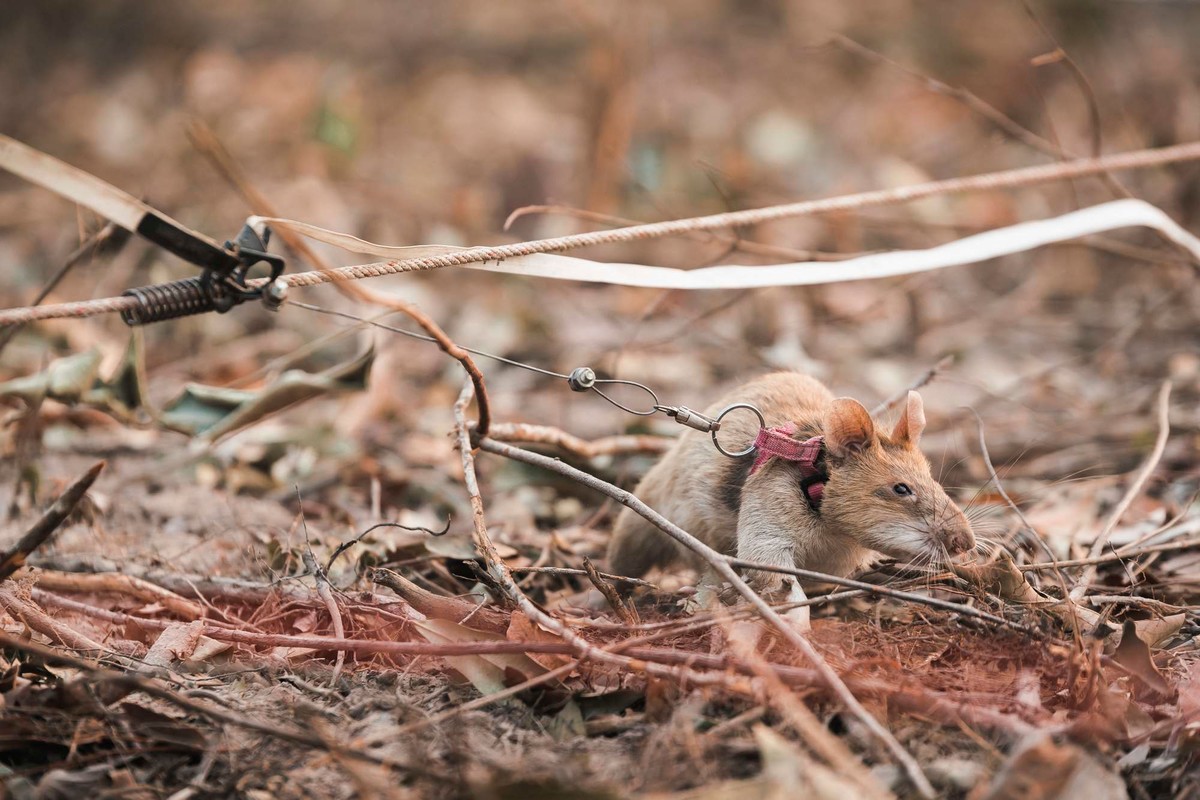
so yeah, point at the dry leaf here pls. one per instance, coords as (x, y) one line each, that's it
(489, 673)
(1134, 655)
(1041, 769)
(522, 629)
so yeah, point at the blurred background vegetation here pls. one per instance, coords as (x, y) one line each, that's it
(430, 122)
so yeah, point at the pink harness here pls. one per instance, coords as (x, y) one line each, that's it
(778, 443)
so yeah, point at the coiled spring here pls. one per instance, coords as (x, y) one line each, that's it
(182, 298)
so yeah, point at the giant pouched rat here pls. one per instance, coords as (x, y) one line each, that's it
(878, 494)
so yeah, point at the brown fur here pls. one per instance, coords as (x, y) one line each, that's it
(764, 517)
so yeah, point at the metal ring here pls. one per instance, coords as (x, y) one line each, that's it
(762, 423)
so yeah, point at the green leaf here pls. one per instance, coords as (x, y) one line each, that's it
(123, 395)
(65, 380)
(212, 412)
(335, 130)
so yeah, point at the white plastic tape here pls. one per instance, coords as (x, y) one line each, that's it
(969, 250)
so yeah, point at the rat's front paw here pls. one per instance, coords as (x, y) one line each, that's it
(798, 618)
(779, 589)
(771, 586)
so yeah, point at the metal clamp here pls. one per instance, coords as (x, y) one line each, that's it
(762, 423)
(250, 249)
(219, 288)
(581, 379)
(693, 419)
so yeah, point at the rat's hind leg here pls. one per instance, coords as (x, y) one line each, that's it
(708, 592)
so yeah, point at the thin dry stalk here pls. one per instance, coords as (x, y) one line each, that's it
(1135, 488)
(581, 448)
(1121, 554)
(124, 585)
(500, 573)
(29, 614)
(316, 643)
(965, 96)
(747, 717)
(987, 461)
(49, 522)
(1060, 54)
(722, 566)
(325, 592)
(1134, 600)
(203, 588)
(608, 576)
(207, 142)
(626, 613)
(884, 591)
(484, 701)
(99, 675)
(924, 379)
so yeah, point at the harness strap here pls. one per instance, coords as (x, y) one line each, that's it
(778, 443)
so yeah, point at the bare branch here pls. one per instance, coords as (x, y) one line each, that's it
(923, 379)
(582, 448)
(1135, 488)
(722, 565)
(49, 522)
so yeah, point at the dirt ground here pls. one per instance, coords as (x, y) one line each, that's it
(414, 123)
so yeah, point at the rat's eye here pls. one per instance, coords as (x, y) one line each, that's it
(902, 489)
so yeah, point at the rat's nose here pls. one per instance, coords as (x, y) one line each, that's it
(959, 541)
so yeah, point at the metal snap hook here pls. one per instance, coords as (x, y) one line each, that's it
(762, 423)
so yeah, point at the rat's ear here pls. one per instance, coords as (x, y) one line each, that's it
(848, 427)
(912, 420)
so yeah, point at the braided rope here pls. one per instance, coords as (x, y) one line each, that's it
(1027, 176)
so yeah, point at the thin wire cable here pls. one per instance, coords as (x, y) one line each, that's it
(423, 337)
(1028, 176)
(657, 407)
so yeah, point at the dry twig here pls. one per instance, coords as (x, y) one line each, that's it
(55, 516)
(109, 237)
(99, 675)
(581, 448)
(125, 585)
(1135, 488)
(325, 592)
(25, 612)
(922, 380)
(723, 567)
(206, 141)
(627, 613)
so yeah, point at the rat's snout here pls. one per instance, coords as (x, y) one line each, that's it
(959, 541)
(955, 531)
(956, 534)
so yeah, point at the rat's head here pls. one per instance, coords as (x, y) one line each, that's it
(880, 490)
